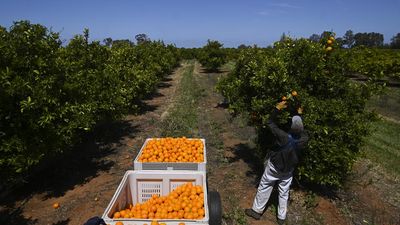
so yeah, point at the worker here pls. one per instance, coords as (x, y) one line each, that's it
(280, 164)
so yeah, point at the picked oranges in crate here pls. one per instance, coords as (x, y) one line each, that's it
(173, 150)
(185, 202)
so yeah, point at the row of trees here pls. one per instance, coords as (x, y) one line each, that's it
(350, 40)
(51, 94)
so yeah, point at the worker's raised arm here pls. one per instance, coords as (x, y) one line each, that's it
(280, 135)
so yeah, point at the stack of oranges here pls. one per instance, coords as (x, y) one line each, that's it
(173, 150)
(185, 202)
(154, 222)
(329, 44)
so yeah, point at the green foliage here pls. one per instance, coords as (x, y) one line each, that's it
(30, 93)
(310, 200)
(371, 39)
(212, 56)
(51, 94)
(395, 41)
(374, 63)
(189, 53)
(383, 146)
(234, 214)
(334, 107)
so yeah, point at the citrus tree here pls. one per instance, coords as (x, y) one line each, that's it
(212, 55)
(311, 78)
(374, 63)
(51, 94)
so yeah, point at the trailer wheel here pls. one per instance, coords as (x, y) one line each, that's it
(215, 209)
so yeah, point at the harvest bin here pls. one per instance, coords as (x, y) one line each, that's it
(139, 186)
(196, 166)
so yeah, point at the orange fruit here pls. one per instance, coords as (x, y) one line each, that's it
(328, 49)
(284, 98)
(329, 42)
(56, 205)
(119, 223)
(201, 212)
(331, 38)
(181, 223)
(117, 215)
(122, 212)
(294, 93)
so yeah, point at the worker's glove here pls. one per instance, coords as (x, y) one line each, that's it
(281, 105)
(300, 110)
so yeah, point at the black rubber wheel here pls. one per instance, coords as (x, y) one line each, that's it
(214, 208)
(207, 181)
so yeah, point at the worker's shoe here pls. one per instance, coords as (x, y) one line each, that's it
(252, 213)
(280, 222)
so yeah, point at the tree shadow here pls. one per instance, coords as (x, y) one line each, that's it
(224, 104)
(163, 85)
(325, 191)
(165, 82)
(15, 217)
(167, 78)
(248, 155)
(154, 95)
(62, 222)
(143, 107)
(57, 175)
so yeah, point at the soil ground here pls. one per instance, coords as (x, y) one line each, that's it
(84, 181)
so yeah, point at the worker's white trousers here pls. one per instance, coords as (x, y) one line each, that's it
(268, 180)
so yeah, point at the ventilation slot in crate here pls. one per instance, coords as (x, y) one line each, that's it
(146, 189)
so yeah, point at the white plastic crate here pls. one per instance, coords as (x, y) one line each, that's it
(196, 166)
(139, 186)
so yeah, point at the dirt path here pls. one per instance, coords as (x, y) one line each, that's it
(84, 184)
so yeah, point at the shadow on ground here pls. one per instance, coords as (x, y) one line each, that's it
(15, 217)
(63, 222)
(56, 176)
(248, 155)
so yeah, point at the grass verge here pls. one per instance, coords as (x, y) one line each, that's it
(387, 104)
(383, 145)
(229, 66)
(181, 119)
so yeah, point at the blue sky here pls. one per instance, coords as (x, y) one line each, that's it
(189, 23)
